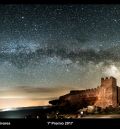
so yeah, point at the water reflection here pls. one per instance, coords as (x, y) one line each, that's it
(21, 112)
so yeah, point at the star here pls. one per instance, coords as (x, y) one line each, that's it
(22, 17)
(115, 20)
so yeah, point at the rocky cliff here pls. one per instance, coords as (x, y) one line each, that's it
(107, 94)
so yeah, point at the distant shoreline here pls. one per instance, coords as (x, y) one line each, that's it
(23, 111)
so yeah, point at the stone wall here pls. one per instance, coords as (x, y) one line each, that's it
(118, 93)
(108, 93)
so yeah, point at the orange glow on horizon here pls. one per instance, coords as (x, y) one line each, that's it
(15, 103)
(27, 96)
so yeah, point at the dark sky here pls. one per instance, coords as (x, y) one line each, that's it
(47, 50)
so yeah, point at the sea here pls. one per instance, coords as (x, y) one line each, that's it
(22, 113)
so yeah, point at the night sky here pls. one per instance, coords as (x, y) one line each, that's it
(48, 50)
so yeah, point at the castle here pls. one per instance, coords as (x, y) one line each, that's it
(105, 95)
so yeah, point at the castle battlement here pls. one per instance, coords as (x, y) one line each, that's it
(108, 93)
(106, 78)
(111, 81)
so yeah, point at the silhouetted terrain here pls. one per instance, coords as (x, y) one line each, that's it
(29, 112)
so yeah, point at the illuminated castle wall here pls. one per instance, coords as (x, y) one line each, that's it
(108, 93)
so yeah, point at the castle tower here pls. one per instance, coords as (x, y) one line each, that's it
(107, 94)
(107, 82)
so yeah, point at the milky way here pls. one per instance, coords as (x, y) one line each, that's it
(47, 50)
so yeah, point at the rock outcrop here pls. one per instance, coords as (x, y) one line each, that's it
(105, 95)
